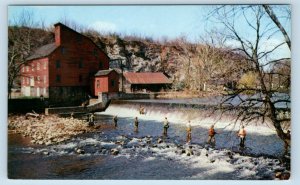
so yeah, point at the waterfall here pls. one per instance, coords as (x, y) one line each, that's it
(181, 114)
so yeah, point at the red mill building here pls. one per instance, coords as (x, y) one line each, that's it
(65, 70)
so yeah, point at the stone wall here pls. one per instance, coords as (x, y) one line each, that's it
(27, 105)
(68, 96)
(99, 106)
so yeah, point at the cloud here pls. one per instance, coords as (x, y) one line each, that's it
(103, 26)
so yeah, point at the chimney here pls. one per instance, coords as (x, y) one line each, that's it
(57, 32)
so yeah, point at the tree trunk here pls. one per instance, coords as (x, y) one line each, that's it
(278, 24)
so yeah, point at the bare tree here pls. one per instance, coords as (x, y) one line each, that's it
(23, 38)
(262, 102)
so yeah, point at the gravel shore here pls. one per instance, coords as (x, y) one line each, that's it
(47, 130)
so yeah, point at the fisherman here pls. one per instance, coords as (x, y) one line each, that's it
(211, 135)
(136, 124)
(189, 132)
(242, 136)
(166, 126)
(115, 120)
(143, 110)
(72, 115)
(91, 120)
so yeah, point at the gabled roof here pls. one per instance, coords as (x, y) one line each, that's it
(42, 51)
(146, 78)
(104, 72)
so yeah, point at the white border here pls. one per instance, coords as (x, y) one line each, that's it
(295, 179)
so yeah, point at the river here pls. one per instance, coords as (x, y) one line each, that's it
(140, 156)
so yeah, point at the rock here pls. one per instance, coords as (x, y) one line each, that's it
(285, 176)
(212, 160)
(114, 151)
(48, 142)
(40, 142)
(183, 151)
(278, 174)
(46, 153)
(159, 140)
(189, 152)
(80, 151)
(279, 169)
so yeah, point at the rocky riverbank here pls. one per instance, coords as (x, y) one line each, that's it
(47, 130)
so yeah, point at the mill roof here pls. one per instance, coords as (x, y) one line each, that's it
(42, 51)
(146, 78)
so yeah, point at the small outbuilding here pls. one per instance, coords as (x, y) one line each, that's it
(146, 82)
(105, 81)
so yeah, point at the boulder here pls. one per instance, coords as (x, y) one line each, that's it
(80, 151)
(114, 151)
(159, 140)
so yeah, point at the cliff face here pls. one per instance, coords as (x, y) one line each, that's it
(137, 55)
(190, 66)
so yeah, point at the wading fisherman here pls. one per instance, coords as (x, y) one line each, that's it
(72, 115)
(166, 126)
(188, 132)
(136, 124)
(242, 136)
(91, 120)
(211, 135)
(142, 110)
(115, 120)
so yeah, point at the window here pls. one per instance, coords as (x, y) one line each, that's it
(38, 79)
(27, 80)
(80, 78)
(23, 69)
(38, 66)
(45, 79)
(23, 80)
(63, 50)
(100, 65)
(112, 83)
(45, 65)
(98, 84)
(32, 67)
(80, 65)
(78, 38)
(95, 52)
(57, 64)
(58, 79)
(27, 68)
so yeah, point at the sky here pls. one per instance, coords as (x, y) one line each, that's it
(156, 21)
(153, 21)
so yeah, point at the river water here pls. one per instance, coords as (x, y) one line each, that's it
(140, 155)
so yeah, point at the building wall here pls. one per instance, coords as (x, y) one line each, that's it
(115, 77)
(35, 78)
(69, 70)
(105, 84)
(67, 96)
(100, 84)
(78, 57)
